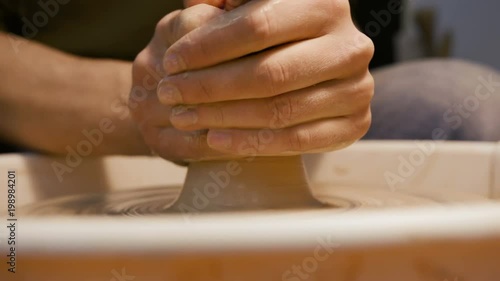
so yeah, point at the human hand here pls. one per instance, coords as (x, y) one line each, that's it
(152, 117)
(223, 4)
(272, 77)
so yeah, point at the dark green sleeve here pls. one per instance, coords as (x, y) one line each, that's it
(8, 15)
(2, 19)
(5, 147)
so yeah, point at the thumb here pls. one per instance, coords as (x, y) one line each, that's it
(223, 4)
(216, 3)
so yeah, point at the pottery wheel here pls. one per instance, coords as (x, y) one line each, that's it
(262, 184)
(157, 201)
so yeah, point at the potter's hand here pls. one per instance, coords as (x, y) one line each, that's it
(223, 4)
(271, 77)
(152, 117)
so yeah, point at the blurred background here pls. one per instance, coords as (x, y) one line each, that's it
(455, 28)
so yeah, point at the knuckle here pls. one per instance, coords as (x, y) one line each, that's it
(192, 18)
(140, 62)
(273, 75)
(143, 67)
(339, 8)
(196, 145)
(368, 48)
(167, 27)
(300, 140)
(199, 150)
(197, 15)
(191, 45)
(219, 116)
(259, 24)
(369, 87)
(259, 143)
(192, 148)
(162, 24)
(283, 112)
(186, 22)
(361, 124)
(364, 91)
(205, 90)
(363, 49)
(356, 53)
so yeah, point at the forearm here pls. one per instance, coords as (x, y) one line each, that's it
(48, 98)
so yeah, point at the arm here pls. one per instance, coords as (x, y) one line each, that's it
(49, 98)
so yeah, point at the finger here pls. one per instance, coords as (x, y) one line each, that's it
(280, 70)
(228, 4)
(216, 3)
(143, 100)
(179, 23)
(176, 145)
(152, 113)
(318, 136)
(326, 100)
(147, 108)
(253, 27)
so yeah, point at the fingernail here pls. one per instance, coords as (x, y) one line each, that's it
(219, 140)
(169, 94)
(173, 64)
(183, 116)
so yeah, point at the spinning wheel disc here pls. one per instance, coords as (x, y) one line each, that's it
(156, 201)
